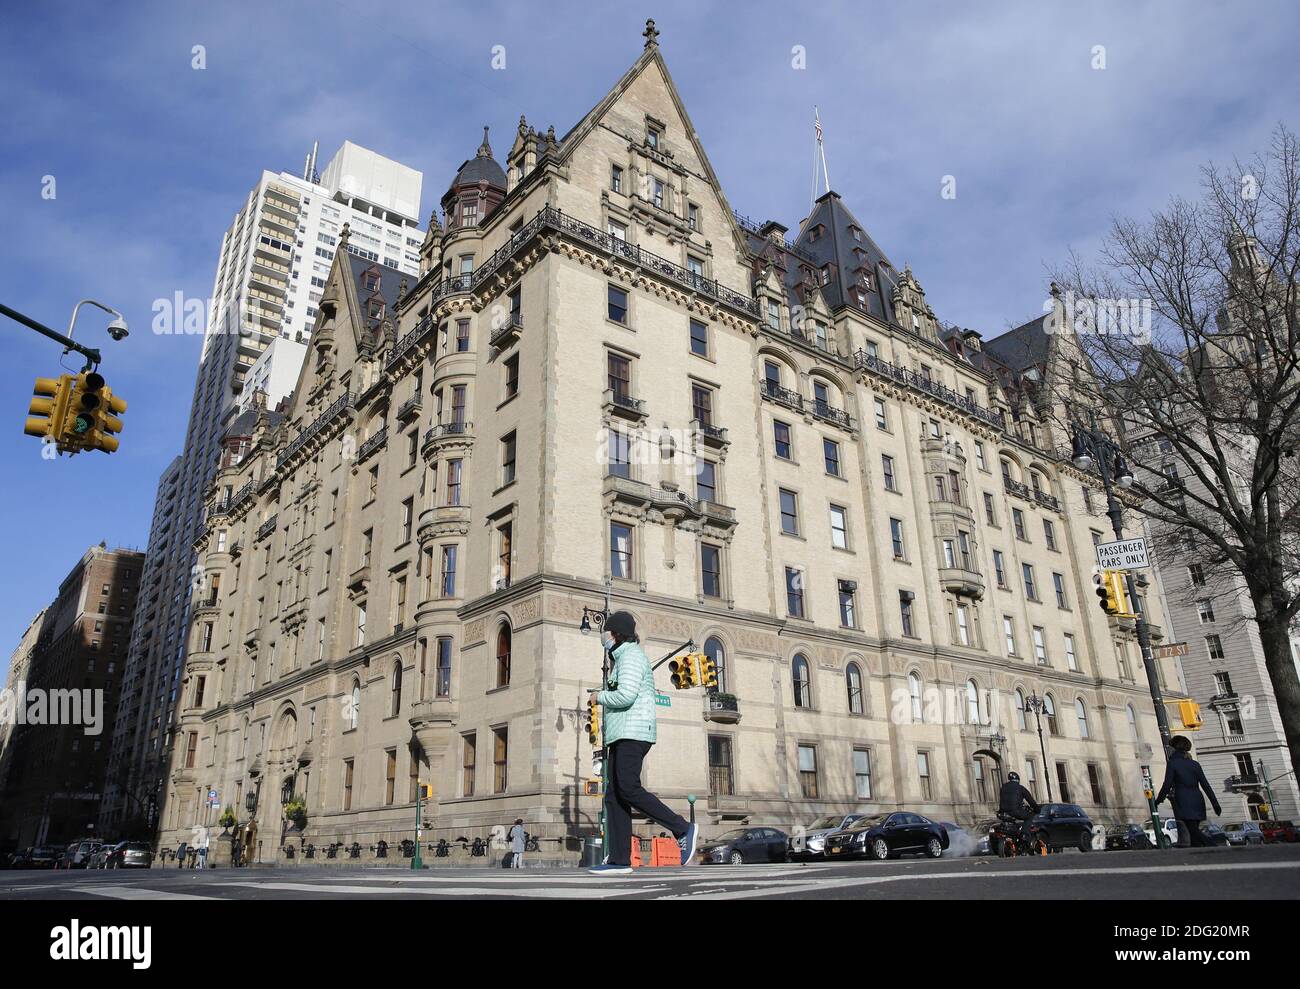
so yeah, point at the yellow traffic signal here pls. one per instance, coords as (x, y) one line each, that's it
(685, 672)
(426, 792)
(593, 722)
(94, 415)
(49, 407)
(708, 670)
(1110, 593)
(1190, 713)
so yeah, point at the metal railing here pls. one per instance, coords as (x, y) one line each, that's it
(409, 406)
(336, 407)
(553, 219)
(865, 361)
(448, 429)
(266, 528)
(372, 444)
(783, 395)
(828, 412)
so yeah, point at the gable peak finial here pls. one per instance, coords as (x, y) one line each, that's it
(651, 33)
(485, 149)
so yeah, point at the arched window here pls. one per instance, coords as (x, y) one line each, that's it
(503, 656)
(972, 703)
(914, 689)
(802, 682)
(1081, 713)
(713, 649)
(1132, 722)
(1049, 710)
(853, 680)
(354, 714)
(1020, 710)
(396, 708)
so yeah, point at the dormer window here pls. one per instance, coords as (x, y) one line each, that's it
(826, 275)
(857, 234)
(371, 281)
(652, 136)
(375, 309)
(469, 213)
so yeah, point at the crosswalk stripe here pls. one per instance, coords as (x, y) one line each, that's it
(137, 893)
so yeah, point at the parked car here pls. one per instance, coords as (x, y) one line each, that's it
(1275, 832)
(882, 836)
(79, 853)
(1064, 826)
(38, 857)
(962, 841)
(100, 857)
(1243, 833)
(1214, 835)
(812, 843)
(1168, 825)
(1127, 837)
(129, 855)
(980, 831)
(741, 845)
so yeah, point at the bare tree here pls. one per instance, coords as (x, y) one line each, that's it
(1187, 325)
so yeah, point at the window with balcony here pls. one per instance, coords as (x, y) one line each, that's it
(702, 404)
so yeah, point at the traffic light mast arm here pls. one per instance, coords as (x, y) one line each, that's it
(90, 353)
(687, 646)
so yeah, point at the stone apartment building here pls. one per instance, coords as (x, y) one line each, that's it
(603, 378)
(54, 773)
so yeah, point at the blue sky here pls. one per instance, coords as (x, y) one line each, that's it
(152, 158)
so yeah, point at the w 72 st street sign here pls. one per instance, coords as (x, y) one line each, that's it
(1126, 554)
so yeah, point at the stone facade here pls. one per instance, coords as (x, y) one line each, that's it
(395, 574)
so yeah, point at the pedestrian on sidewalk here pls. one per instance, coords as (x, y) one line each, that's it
(517, 839)
(630, 712)
(1184, 781)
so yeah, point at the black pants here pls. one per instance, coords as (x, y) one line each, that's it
(625, 792)
(1195, 839)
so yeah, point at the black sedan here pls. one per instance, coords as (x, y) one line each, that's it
(1064, 826)
(1128, 837)
(883, 836)
(741, 845)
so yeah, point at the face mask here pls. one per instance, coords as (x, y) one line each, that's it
(608, 641)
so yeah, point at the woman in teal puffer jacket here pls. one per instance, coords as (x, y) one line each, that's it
(629, 712)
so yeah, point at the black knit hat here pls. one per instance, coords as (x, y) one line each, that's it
(621, 625)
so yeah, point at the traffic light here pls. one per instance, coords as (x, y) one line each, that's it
(1190, 713)
(593, 722)
(425, 792)
(95, 412)
(708, 670)
(1110, 593)
(685, 672)
(49, 407)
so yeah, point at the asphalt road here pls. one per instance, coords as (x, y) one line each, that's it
(1264, 873)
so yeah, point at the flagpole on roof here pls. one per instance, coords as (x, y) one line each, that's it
(819, 156)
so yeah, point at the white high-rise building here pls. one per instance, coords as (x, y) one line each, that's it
(270, 273)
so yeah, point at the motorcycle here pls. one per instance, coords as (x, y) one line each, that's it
(1007, 839)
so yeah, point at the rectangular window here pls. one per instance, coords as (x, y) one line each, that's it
(618, 375)
(1031, 590)
(980, 462)
(923, 774)
(615, 178)
(1214, 645)
(862, 773)
(1094, 783)
(711, 570)
(462, 335)
(882, 418)
(808, 771)
(390, 776)
(1063, 782)
(848, 606)
(905, 611)
(620, 454)
(508, 459)
(468, 753)
(1049, 533)
(408, 518)
(448, 572)
(512, 376)
(347, 784)
(896, 538)
(706, 481)
(1071, 659)
(831, 456)
(453, 482)
(500, 751)
(1018, 520)
(1205, 611)
(1040, 646)
(720, 778)
(781, 437)
(999, 570)
(620, 550)
(839, 527)
(699, 338)
(989, 514)
(887, 465)
(702, 404)
(789, 512)
(794, 592)
(442, 685)
(963, 625)
(1009, 634)
(617, 305)
(1058, 582)
(773, 314)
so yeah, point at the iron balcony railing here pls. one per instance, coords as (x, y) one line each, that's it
(865, 361)
(1047, 500)
(242, 495)
(828, 412)
(1016, 488)
(266, 528)
(514, 321)
(411, 405)
(625, 401)
(373, 443)
(336, 407)
(403, 346)
(460, 428)
(783, 395)
(550, 218)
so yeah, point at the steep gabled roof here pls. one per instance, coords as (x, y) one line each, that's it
(1025, 346)
(390, 279)
(827, 237)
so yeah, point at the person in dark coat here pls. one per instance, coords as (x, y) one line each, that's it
(1184, 781)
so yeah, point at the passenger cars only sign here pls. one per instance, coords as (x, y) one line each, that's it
(1126, 554)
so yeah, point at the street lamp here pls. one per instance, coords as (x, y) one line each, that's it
(1038, 705)
(597, 619)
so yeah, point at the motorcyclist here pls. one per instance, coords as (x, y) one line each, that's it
(1015, 802)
